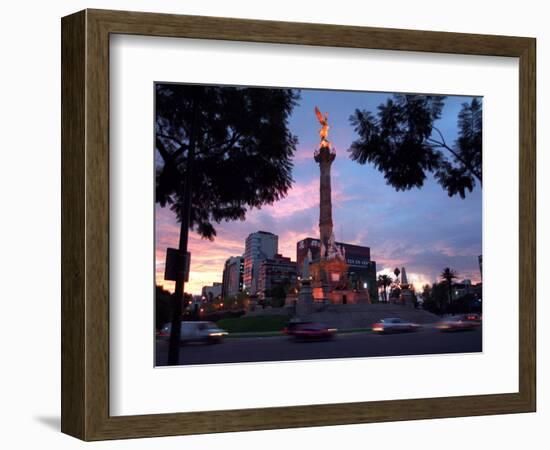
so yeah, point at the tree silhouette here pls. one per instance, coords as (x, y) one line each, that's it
(162, 307)
(243, 156)
(384, 281)
(220, 151)
(449, 275)
(435, 297)
(405, 145)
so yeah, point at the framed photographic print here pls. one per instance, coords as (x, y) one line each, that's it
(272, 225)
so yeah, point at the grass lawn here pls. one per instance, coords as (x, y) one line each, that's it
(253, 324)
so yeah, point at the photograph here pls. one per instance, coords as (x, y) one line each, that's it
(298, 224)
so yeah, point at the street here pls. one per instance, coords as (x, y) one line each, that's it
(351, 345)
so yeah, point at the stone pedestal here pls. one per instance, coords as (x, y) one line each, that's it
(330, 283)
(407, 297)
(329, 274)
(304, 305)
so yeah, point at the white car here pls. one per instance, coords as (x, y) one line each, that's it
(200, 331)
(394, 325)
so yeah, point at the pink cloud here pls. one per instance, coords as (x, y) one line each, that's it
(300, 197)
(303, 154)
(207, 257)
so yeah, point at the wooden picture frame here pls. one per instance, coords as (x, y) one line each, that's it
(85, 224)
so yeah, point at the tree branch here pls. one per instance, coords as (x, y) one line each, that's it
(165, 154)
(172, 138)
(440, 135)
(444, 145)
(226, 145)
(169, 158)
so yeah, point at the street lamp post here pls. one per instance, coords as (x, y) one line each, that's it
(186, 193)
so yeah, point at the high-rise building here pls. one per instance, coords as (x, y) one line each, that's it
(233, 272)
(276, 271)
(259, 246)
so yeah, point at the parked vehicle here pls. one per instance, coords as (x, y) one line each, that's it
(311, 331)
(394, 325)
(200, 331)
(457, 323)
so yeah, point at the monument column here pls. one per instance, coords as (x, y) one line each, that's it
(330, 273)
(324, 157)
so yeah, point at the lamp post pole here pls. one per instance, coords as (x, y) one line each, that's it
(185, 216)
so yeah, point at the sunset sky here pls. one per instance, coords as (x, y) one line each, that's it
(423, 230)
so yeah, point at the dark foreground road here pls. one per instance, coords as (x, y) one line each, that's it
(233, 350)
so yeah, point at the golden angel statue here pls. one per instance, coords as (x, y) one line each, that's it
(323, 132)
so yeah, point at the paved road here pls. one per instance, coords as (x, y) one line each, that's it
(281, 348)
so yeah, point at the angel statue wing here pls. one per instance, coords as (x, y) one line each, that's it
(322, 120)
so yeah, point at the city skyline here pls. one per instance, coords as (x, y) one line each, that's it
(423, 229)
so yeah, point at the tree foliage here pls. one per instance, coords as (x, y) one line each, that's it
(244, 149)
(163, 308)
(434, 298)
(402, 141)
(384, 281)
(448, 275)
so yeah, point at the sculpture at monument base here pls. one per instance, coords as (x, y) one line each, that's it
(304, 304)
(304, 300)
(331, 283)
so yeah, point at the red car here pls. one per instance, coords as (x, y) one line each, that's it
(473, 317)
(162, 333)
(291, 326)
(311, 331)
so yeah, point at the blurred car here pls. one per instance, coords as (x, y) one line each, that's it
(311, 331)
(293, 325)
(457, 323)
(199, 331)
(473, 317)
(162, 333)
(394, 325)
